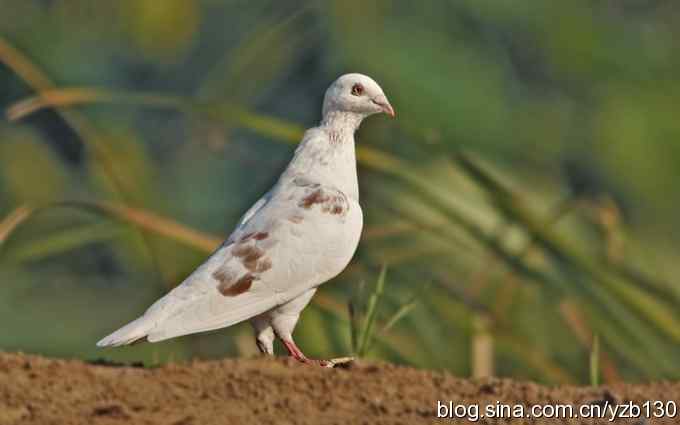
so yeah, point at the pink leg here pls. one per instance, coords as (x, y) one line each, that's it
(298, 355)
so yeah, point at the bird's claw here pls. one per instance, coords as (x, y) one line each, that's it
(298, 355)
(331, 363)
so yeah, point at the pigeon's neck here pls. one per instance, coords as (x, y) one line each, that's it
(338, 159)
(326, 154)
(341, 121)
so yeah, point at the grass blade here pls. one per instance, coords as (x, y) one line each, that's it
(63, 241)
(64, 97)
(402, 312)
(140, 218)
(595, 362)
(366, 334)
(13, 220)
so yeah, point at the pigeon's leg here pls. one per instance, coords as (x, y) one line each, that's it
(298, 355)
(283, 320)
(264, 334)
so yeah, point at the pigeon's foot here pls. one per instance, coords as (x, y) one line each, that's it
(339, 362)
(298, 355)
(317, 362)
(265, 349)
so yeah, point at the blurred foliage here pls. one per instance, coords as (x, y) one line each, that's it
(528, 182)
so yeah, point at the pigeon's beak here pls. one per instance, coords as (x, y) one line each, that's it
(384, 105)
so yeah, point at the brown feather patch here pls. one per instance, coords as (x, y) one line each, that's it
(297, 219)
(246, 237)
(239, 287)
(333, 204)
(249, 255)
(242, 250)
(316, 197)
(303, 182)
(224, 276)
(263, 265)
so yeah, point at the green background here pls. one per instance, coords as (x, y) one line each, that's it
(524, 200)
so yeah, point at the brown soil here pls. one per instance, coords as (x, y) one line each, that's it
(36, 390)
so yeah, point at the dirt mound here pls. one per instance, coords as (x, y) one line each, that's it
(36, 390)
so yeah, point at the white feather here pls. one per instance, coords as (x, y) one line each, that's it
(133, 331)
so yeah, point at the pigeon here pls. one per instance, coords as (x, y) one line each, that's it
(300, 234)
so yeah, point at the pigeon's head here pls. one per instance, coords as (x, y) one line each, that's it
(356, 93)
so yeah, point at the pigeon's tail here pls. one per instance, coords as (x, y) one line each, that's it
(132, 332)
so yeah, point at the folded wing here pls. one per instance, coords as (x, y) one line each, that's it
(284, 245)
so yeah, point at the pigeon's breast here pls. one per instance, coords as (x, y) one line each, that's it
(318, 240)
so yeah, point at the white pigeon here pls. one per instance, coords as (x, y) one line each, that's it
(300, 234)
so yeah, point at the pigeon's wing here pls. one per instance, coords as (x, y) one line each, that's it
(193, 306)
(257, 206)
(291, 240)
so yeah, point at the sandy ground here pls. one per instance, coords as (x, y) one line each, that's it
(37, 390)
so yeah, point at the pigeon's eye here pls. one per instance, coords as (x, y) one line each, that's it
(357, 90)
